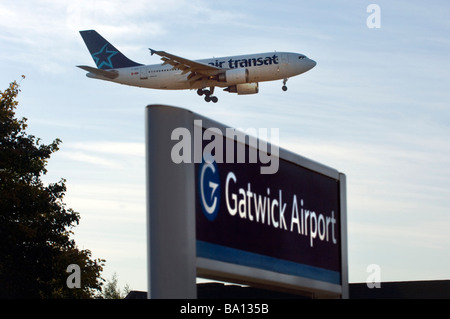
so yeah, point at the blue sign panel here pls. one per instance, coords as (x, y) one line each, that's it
(287, 222)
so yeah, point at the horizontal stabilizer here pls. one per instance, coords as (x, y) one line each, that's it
(108, 74)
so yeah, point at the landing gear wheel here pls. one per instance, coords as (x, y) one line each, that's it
(284, 87)
(208, 95)
(213, 99)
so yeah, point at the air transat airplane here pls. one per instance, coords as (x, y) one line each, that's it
(236, 74)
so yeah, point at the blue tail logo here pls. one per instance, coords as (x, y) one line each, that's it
(105, 55)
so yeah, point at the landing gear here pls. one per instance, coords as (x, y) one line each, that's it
(208, 95)
(284, 87)
(213, 99)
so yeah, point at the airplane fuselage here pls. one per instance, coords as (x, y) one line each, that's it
(250, 68)
(236, 74)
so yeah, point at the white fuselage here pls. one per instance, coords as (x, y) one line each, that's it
(261, 67)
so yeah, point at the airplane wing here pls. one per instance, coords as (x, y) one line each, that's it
(108, 74)
(198, 71)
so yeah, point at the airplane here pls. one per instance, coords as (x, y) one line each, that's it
(236, 74)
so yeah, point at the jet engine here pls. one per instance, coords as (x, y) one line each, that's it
(247, 88)
(234, 76)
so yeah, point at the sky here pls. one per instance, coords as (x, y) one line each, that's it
(376, 107)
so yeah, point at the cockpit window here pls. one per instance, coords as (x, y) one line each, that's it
(301, 57)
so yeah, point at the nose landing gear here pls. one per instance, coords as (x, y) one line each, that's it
(284, 87)
(208, 95)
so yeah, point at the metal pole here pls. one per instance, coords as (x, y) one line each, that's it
(170, 208)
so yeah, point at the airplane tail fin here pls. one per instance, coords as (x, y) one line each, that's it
(105, 55)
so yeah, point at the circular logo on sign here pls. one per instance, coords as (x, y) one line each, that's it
(209, 184)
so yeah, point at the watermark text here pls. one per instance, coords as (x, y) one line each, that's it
(74, 279)
(374, 19)
(374, 278)
(232, 143)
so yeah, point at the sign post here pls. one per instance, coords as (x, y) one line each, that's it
(170, 209)
(225, 205)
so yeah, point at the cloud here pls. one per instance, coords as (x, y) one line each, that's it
(110, 155)
(116, 148)
(112, 225)
(45, 33)
(115, 18)
(90, 159)
(108, 202)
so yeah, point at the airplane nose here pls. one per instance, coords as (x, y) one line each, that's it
(311, 64)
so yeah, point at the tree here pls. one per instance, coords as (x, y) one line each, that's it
(112, 291)
(35, 224)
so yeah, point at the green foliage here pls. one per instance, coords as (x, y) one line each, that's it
(112, 291)
(35, 224)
